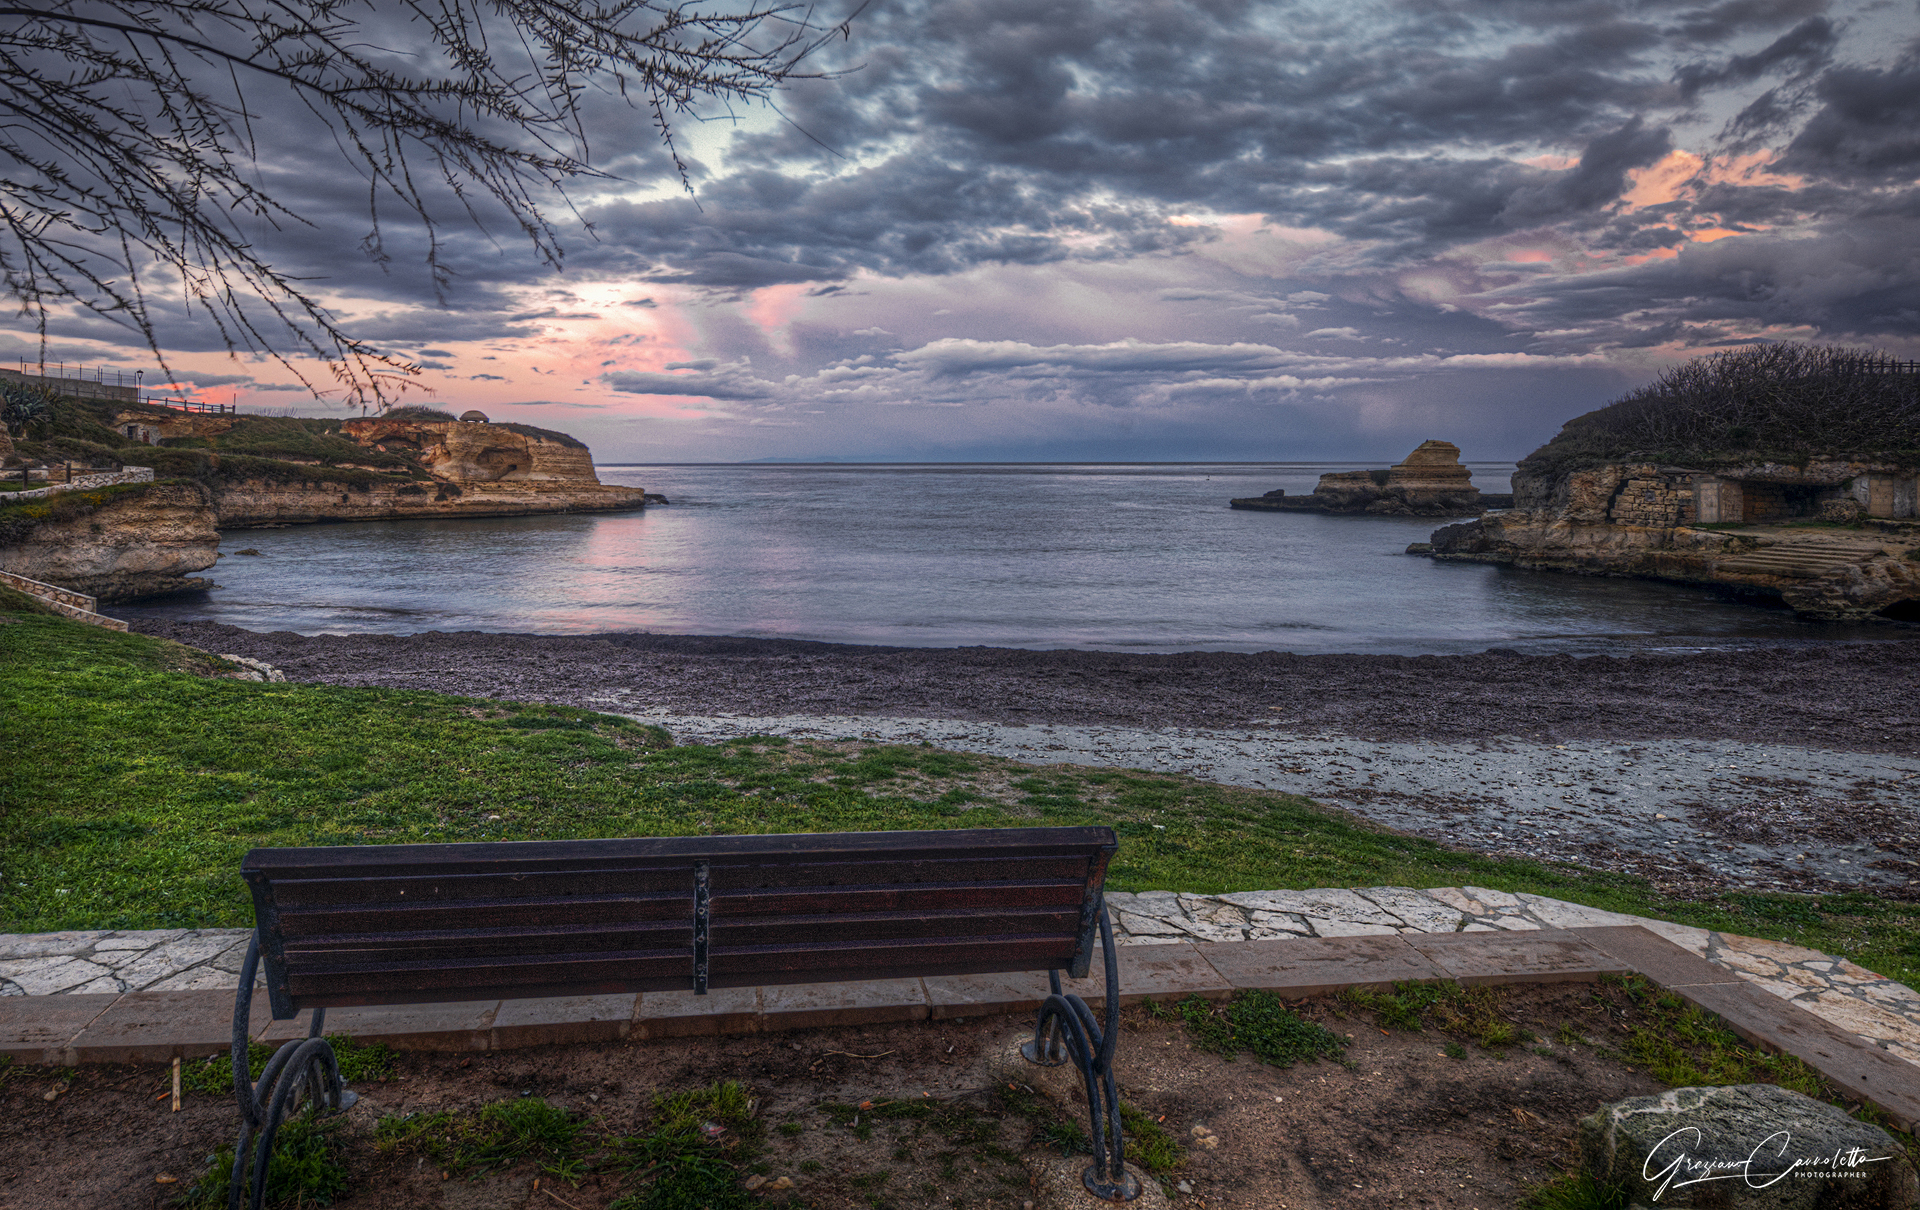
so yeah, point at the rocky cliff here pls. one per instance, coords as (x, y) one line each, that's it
(1804, 534)
(246, 503)
(471, 469)
(470, 452)
(116, 544)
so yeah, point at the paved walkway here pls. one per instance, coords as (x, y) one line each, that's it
(1879, 1011)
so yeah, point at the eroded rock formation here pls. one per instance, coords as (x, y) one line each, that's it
(139, 543)
(1430, 483)
(479, 452)
(477, 469)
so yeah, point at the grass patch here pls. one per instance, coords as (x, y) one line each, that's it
(1575, 1191)
(359, 1062)
(138, 783)
(1257, 1022)
(1149, 1146)
(1471, 1012)
(693, 1151)
(1681, 1046)
(493, 1139)
(306, 1168)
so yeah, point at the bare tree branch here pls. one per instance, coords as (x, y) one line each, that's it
(127, 128)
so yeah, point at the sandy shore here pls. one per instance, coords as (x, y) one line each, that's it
(1775, 768)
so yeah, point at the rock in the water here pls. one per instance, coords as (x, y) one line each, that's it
(1745, 1145)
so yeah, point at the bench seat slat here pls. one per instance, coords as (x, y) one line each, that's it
(310, 952)
(919, 897)
(423, 981)
(809, 963)
(832, 928)
(729, 879)
(438, 887)
(583, 911)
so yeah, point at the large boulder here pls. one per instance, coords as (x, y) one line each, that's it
(1745, 1145)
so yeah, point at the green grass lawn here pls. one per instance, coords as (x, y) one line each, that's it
(134, 780)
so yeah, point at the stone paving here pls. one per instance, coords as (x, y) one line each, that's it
(1877, 1009)
(1851, 997)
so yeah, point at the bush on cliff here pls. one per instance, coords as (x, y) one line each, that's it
(1776, 402)
(217, 469)
(19, 520)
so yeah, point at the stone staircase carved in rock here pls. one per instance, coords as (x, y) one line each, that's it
(1798, 560)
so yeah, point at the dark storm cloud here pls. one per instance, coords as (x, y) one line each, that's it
(962, 135)
(1863, 280)
(1801, 48)
(976, 132)
(1867, 128)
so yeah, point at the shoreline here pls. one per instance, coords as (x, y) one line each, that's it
(1769, 769)
(1844, 696)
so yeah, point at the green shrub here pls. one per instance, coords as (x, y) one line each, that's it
(1781, 401)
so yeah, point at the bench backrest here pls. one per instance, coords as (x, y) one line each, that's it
(397, 924)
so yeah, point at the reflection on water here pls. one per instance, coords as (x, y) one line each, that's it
(1115, 557)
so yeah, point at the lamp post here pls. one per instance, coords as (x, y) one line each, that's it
(138, 377)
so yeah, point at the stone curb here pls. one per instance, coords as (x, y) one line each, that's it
(1880, 1011)
(151, 1026)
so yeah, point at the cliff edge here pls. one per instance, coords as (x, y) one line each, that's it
(1831, 529)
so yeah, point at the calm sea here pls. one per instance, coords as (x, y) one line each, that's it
(1114, 557)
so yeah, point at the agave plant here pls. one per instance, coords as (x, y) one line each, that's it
(22, 405)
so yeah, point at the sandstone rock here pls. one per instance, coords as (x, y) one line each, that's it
(1844, 512)
(129, 547)
(1747, 1145)
(478, 452)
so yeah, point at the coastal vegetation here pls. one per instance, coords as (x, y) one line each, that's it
(140, 776)
(1774, 402)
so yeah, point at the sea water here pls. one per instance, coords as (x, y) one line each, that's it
(1120, 557)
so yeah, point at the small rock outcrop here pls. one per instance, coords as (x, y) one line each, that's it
(1429, 483)
(1745, 1145)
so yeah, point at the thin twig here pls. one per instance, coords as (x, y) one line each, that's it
(883, 1054)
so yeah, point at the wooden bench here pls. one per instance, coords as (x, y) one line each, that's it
(398, 924)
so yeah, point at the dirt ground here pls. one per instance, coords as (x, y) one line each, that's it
(1399, 1123)
(1847, 696)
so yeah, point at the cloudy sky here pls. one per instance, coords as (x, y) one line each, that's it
(1165, 229)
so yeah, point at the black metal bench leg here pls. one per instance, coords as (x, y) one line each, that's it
(309, 1061)
(1067, 1029)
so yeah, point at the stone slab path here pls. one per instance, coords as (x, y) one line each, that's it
(1881, 1012)
(1737, 814)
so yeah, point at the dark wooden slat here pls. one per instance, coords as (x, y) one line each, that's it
(925, 896)
(730, 879)
(430, 888)
(336, 998)
(313, 953)
(858, 959)
(552, 854)
(881, 926)
(430, 981)
(914, 968)
(583, 910)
